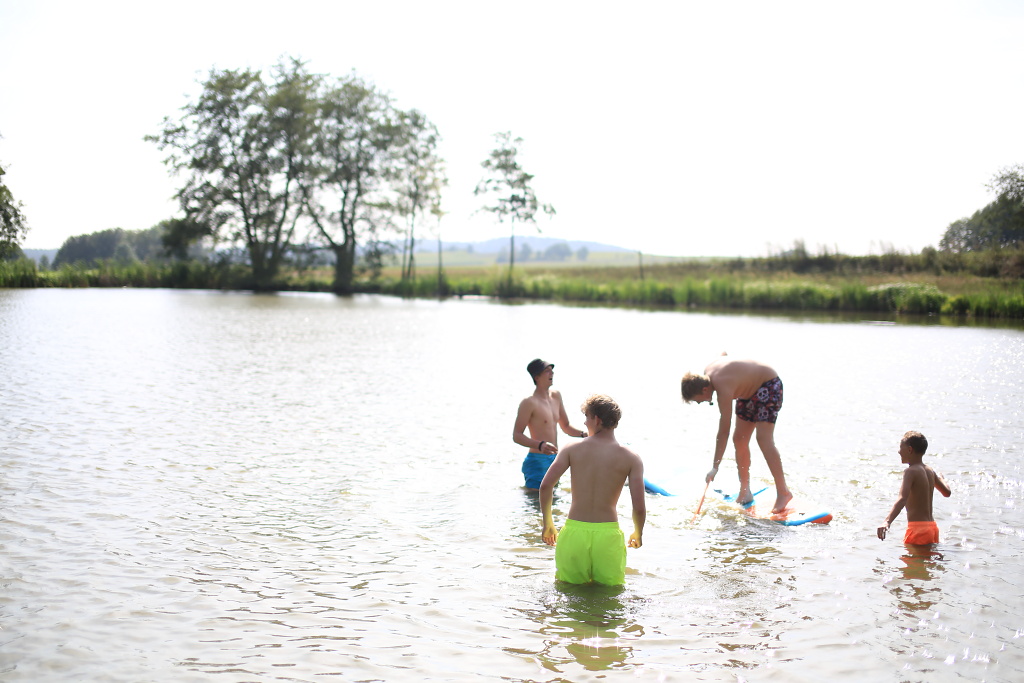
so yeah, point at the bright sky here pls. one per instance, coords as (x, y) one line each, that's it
(681, 128)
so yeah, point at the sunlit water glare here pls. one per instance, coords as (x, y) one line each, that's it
(229, 487)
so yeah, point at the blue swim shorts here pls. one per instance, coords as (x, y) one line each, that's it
(763, 406)
(535, 466)
(591, 552)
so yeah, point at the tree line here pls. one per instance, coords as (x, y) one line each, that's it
(277, 167)
(998, 224)
(292, 157)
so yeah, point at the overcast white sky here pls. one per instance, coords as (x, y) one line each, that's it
(682, 128)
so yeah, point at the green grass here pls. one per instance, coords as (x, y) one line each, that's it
(906, 286)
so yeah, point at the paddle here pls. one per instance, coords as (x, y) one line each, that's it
(701, 503)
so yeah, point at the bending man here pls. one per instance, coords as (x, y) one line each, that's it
(757, 390)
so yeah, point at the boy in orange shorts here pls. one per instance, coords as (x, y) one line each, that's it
(919, 482)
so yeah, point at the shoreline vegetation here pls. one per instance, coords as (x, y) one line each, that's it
(978, 285)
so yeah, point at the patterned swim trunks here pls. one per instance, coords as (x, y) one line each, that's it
(763, 406)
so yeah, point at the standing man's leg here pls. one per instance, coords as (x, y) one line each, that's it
(766, 442)
(741, 442)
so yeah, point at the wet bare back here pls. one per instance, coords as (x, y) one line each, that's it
(734, 379)
(599, 469)
(919, 482)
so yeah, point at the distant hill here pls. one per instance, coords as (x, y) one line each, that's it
(493, 246)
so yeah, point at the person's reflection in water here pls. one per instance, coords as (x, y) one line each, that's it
(920, 564)
(585, 624)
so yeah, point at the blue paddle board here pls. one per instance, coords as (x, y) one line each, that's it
(795, 513)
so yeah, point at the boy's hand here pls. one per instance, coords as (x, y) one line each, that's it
(711, 475)
(549, 534)
(882, 530)
(635, 540)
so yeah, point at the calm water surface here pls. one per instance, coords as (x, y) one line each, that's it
(226, 487)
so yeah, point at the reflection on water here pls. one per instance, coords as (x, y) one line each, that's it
(584, 624)
(911, 588)
(223, 487)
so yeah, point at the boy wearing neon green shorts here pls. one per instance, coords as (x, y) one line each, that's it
(591, 546)
(919, 483)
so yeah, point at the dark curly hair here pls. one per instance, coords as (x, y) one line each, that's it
(916, 441)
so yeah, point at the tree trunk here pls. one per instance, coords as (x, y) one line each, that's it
(440, 268)
(511, 257)
(344, 268)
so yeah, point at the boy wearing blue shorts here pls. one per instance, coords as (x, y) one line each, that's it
(757, 390)
(591, 546)
(541, 412)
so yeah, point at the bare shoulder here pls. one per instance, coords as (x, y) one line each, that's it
(630, 454)
(527, 406)
(570, 449)
(717, 365)
(919, 474)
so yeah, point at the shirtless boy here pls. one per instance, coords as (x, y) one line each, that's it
(919, 483)
(757, 390)
(539, 413)
(591, 546)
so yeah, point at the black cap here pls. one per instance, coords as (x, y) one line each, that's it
(538, 366)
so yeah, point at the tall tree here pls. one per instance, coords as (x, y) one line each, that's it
(509, 190)
(13, 226)
(996, 225)
(418, 180)
(245, 145)
(1009, 181)
(357, 132)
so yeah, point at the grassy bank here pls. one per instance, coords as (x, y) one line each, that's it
(661, 287)
(737, 285)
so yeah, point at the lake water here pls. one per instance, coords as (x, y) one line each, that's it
(203, 486)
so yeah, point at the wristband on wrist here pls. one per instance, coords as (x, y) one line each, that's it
(540, 446)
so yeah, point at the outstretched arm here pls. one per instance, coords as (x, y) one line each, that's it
(941, 485)
(897, 507)
(563, 421)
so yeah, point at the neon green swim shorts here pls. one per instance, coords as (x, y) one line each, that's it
(591, 551)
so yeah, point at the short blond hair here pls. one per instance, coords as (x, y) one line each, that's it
(693, 384)
(604, 409)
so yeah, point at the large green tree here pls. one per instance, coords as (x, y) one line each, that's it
(418, 180)
(1009, 181)
(509, 191)
(998, 224)
(357, 133)
(245, 145)
(13, 226)
(114, 244)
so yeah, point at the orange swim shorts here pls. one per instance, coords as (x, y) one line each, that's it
(921, 533)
